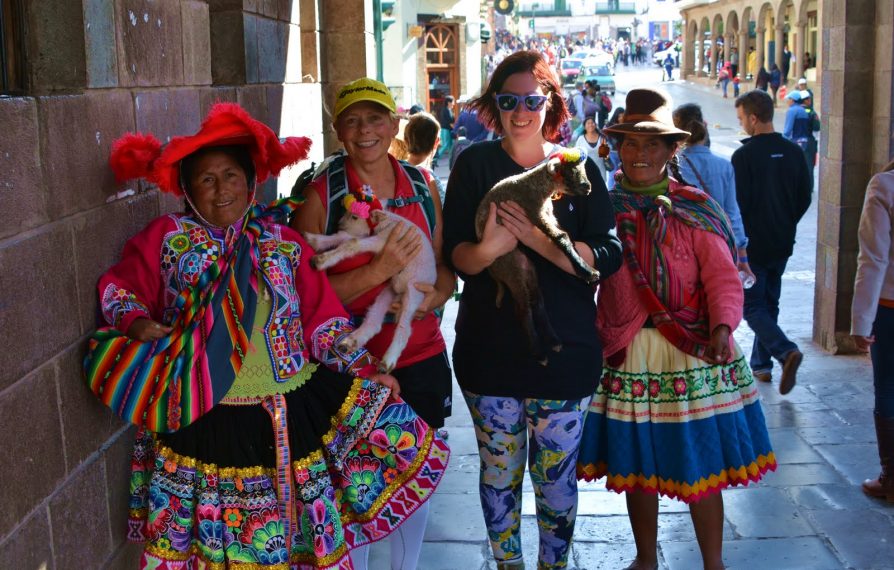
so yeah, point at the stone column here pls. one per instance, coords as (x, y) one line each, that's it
(743, 53)
(699, 54)
(687, 59)
(727, 44)
(778, 37)
(712, 57)
(798, 69)
(761, 48)
(856, 80)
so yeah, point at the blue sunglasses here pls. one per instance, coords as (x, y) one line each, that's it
(508, 101)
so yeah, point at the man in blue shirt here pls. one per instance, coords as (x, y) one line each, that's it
(799, 124)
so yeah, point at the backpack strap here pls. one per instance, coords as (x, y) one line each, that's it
(422, 195)
(336, 189)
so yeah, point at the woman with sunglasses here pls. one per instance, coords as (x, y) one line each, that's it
(515, 401)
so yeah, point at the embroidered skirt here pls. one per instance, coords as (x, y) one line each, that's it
(293, 482)
(669, 423)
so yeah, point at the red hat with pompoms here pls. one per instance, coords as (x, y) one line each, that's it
(137, 155)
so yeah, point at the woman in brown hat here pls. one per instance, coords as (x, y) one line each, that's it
(677, 411)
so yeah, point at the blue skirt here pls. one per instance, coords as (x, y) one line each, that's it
(669, 423)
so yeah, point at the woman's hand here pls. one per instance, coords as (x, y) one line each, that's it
(144, 330)
(863, 342)
(402, 245)
(388, 381)
(496, 239)
(515, 219)
(718, 350)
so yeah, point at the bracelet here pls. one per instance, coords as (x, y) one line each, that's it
(743, 259)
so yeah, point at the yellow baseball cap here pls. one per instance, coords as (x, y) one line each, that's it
(363, 89)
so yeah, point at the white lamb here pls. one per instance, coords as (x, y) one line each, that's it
(354, 236)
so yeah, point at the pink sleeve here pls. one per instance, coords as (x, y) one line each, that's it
(132, 288)
(719, 275)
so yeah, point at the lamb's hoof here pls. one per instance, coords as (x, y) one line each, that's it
(348, 345)
(316, 262)
(385, 368)
(557, 347)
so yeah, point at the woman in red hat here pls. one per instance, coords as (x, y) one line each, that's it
(677, 412)
(261, 443)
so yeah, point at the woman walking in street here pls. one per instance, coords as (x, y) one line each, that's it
(677, 411)
(525, 411)
(593, 143)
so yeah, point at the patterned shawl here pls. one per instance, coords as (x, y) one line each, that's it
(167, 384)
(642, 226)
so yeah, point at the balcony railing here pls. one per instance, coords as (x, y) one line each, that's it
(615, 7)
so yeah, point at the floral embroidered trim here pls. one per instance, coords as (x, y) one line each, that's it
(195, 552)
(685, 492)
(177, 460)
(117, 302)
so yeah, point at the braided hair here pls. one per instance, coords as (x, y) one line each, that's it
(674, 165)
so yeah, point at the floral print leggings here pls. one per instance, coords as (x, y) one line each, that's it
(505, 427)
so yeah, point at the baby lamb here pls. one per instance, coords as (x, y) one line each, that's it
(362, 230)
(564, 172)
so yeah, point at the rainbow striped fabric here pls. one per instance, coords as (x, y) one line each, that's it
(169, 383)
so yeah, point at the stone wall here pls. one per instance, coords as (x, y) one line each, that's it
(95, 70)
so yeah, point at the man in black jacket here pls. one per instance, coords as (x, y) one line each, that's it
(773, 189)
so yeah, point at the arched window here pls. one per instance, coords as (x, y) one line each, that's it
(441, 64)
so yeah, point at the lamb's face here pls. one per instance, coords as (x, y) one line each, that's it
(353, 224)
(571, 177)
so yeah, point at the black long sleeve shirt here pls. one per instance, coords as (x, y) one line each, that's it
(491, 354)
(773, 188)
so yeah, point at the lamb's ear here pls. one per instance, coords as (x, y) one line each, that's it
(552, 165)
(377, 216)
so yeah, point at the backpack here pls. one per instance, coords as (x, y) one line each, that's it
(569, 102)
(606, 103)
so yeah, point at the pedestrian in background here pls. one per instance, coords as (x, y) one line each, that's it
(799, 125)
(614, 160)
(762, 80)
(775, 80)
(773, 188)
(677, 412)
(446, 120)
(525, 412)
(591, 144)
(668, 68)
(422, 136)
(712, 173)
(872, 317)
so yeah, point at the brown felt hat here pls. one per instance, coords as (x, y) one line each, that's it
(648, 112)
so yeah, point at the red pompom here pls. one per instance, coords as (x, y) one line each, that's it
(133, 156)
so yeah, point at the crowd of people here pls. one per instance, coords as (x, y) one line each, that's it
(266, 439)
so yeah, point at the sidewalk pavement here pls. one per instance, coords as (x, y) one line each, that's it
(808, 515)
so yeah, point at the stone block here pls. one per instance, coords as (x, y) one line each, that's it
(57, 59)
(168, 203)
(346, 16)
(272, 38)
(99, 37)
(167, 113)
(227, 56)
(21, 180)
(38, 288)
(196, 43)
(882, 145)
(268, 8)
(837, 38)
(30, 546)
(210, 95)
(117, 466)
(31, 458)
(250, 44)
(289, 11)
(309, 14)
(82, 499)
(833, 137)
(346, 57)
(310, 55)
(86, 423)
(222, 5)
(828, 226)
(253, 99)
(98, 241)
(77, 133)
(151, 43)
(855, 176)
(127, 556)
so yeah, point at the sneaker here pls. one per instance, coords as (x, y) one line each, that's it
(790, 371)
(763, 375)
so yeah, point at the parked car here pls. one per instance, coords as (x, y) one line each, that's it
(602, 74)
(659, 56)
(569, 70)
